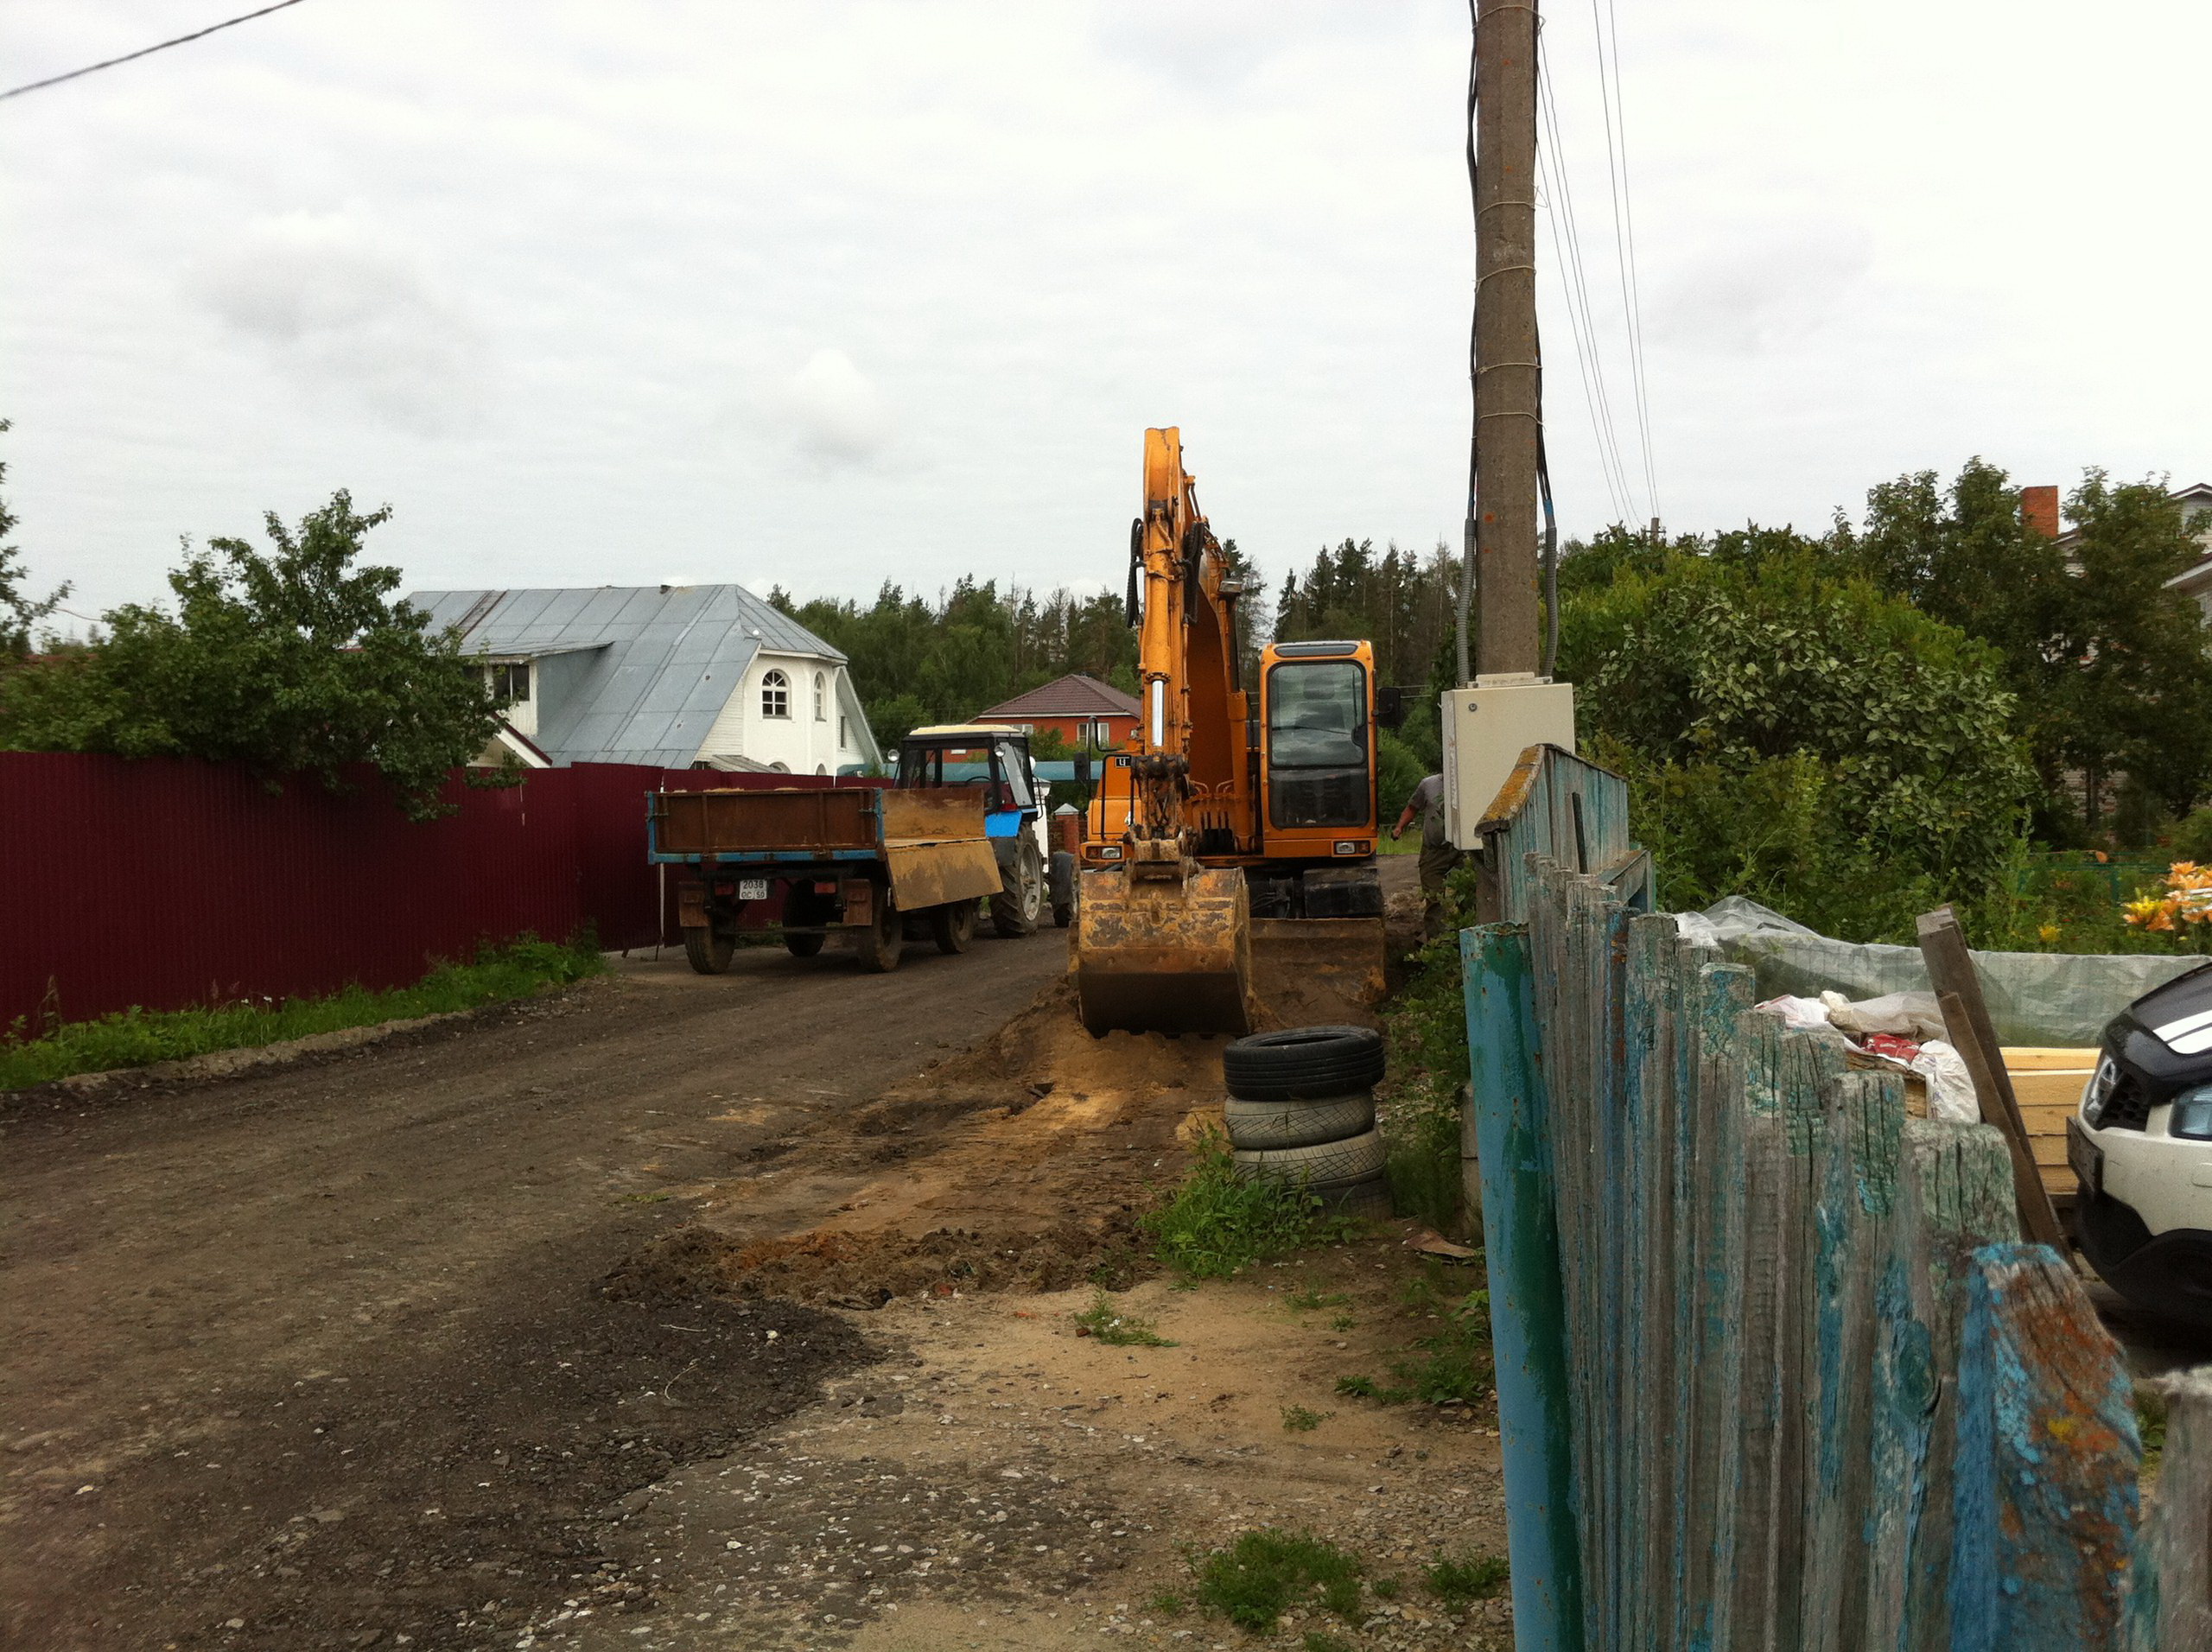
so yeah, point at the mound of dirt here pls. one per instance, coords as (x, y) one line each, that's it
(842, 1268)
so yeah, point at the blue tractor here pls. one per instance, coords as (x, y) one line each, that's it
(1033, 876)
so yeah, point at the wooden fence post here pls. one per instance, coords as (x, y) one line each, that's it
(1526, 1303)
(2170, 1592)
(2044, 1504)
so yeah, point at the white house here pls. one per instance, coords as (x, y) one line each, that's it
(674, 675)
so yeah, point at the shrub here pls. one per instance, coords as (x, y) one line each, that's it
(1217, 1222)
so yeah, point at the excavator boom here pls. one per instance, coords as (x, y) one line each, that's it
(1162, 942)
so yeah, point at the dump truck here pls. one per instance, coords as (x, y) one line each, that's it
(1244, 810)
(996, 756)
(880, 865)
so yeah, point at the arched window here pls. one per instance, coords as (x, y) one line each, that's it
(775, 695)
(821, 698)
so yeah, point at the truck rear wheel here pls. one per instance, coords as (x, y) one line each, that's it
(709, 953)
(878, 945)
(1020, 900)
(953, 925)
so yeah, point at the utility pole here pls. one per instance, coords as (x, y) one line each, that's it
(1506, 375)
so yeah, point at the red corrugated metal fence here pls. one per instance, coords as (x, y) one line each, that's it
(165, 883)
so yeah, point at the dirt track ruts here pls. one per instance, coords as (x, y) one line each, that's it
(318, 1355)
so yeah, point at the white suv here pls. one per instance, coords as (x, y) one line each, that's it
(2142, 1146)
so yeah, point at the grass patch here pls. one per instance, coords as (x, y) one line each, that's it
(1454, 1362)
(1385, 1588)
(1321, 1641)
(2150, 1424)
(138, 1037)
(1167, 1604)
(1359, 1388)
(1218, 1223)
(1307, 1299)
(1297, 1419)
(1459, 1583)
(1263, 1573)
(1111, 1326)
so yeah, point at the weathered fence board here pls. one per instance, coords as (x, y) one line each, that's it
(1821, 1399)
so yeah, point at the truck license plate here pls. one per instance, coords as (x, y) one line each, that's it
(753, 889)
(2086, 1157)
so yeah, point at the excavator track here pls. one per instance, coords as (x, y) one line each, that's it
(1164, 956)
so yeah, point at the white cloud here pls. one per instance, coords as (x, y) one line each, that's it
(835, 412)
(1765, 291)
(348, 316)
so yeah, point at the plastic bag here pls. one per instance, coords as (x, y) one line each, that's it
(1912, 1015)
(1950, 1090)
(1798, 1012)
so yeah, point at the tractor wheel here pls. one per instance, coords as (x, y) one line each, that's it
(1020, 902)
(878, 945)
(953, 925)
(709, 953)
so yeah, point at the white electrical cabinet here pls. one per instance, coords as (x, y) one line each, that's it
(1485, 730)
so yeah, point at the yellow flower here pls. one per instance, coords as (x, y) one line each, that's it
(2048, 934)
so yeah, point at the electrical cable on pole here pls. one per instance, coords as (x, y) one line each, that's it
(1609, 82)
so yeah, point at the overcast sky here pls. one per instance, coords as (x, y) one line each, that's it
(831, 294)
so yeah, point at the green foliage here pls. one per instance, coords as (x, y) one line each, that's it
(138, 1037)
(1264, 1573)
(1306, 1298)
(1103, 1320)
(1399, 769)
(296, 662)
(1358, 1388)
(19, 613)
(2150, 1424)
(914, 661)
(1451, 1364)
(1799, 737)
(1402, 602)
(1218, 1223)
(1316, 1640)
(1167, 1604)
(1300, 1419)
(1459, 1581)
(1425, 1025)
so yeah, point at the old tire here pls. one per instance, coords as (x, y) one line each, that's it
(1301, 1063)
(1264, 1125)
(952, 926)
(1063, 913)
(1020, 900)
(1369, 1199)
(879, 946)
(1326, 1167)
(709, 953)
(801, 945)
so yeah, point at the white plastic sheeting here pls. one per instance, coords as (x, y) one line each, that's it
(2060, 998)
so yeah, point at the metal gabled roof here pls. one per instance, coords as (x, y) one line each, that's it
(667, 659)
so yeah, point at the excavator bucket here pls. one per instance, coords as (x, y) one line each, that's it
(1166, 955)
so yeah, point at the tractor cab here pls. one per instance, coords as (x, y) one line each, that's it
(996, 757)
(991, 755)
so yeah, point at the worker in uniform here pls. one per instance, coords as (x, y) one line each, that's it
(1438, 857)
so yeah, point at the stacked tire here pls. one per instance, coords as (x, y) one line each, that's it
(1302, 1110)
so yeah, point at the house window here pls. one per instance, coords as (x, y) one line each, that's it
(775, 696)
(820, 700)
(843, 742)
(509, 684)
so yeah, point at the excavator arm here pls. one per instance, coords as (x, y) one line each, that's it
(1163, 944)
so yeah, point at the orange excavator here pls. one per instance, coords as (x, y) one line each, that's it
(1237, 805)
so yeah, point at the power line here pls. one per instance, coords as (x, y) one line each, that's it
(148, 51)
(1609, 97)
(1567, 240)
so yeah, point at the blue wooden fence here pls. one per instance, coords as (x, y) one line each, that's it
(1815, 1394)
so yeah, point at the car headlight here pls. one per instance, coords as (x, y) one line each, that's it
(2192, 1114)
(2098, 1091)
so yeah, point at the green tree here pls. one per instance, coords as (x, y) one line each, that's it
(1800, 736)
(20, 613)
(293, 662)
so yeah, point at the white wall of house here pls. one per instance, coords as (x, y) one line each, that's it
(803, 739)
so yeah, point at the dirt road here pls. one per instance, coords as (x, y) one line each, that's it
(319, 1356)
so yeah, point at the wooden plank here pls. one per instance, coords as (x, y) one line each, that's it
(2044, 1503)
(2043, 1058)
(1712, 1221)
(2170, 1590)
(1951, 971)
(1810, 1061)
(1526, 1302)
(1763, 1265)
